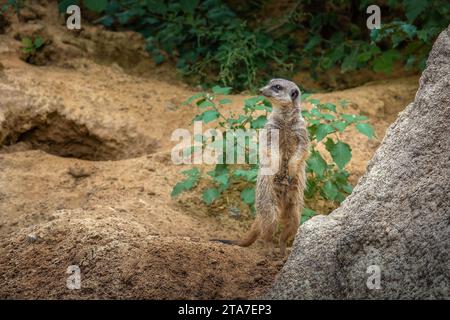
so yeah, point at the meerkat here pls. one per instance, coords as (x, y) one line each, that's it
(279, 197)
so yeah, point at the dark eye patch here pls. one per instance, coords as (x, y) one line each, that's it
(277, 87)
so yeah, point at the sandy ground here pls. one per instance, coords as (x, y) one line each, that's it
(86, 173)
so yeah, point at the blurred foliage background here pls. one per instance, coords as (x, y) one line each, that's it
(242, 43)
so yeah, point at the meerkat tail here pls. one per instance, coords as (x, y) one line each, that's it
(251, 237)
(225, 241)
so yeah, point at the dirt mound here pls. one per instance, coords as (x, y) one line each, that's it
(34, 117)
(58, 135)
(120, 258)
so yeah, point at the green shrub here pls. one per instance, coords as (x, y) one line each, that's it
(239, 44)
(205, 38)
(31, 48)
(337, 34)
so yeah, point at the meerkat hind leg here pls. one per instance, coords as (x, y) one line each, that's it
(269, 224)
(268, 240)
(289, 222)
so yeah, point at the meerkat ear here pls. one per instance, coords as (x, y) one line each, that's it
(294, 94)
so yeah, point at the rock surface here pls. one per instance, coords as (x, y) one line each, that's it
(397, 217)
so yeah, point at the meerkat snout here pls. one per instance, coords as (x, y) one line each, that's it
(282, 92)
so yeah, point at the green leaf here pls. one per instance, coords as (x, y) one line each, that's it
(366, 129)
(397, 38)
(251, 103)
(38, 42)
(316, 163)
(225, 101)
(328, 116)
(340, 197)
(409, 29)
(259, 122)
(364, 56)
(311, 186)
(210, 115)
(249, 175)
(191, 172)
(315, 112)
(350, 62)
(314, 101)
(340, 125)
(189, 6)
(239, 120)
(264, 106)
(347, 188)
(385, 61)
(307, 214)
(323, 130)
(156, 6)
(414, 8)
(222, 179)
(205, 103)
(426, 34)
(220, 169)
(329, 106)
(221, 90)
(96, 5)
(27, 43)
(341, 177)
(27, 50)
(410, 62)
(375, 35)
(329, 144)
(189, 183)
(210, 195)
(125, 16)
(341, 154)
(179, 188)
(305, 96)
(195, 97)
(330, 191)
(312, 42)
(351, 118)
(248, 195)
(158, 58)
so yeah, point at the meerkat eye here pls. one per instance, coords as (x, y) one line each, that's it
(277, 87)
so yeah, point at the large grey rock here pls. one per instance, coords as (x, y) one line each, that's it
(397, 217)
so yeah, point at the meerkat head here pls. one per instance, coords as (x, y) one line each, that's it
(282, 92)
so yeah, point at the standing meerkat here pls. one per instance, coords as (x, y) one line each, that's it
(279, 197)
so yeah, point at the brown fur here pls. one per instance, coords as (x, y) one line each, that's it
(279, 197)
